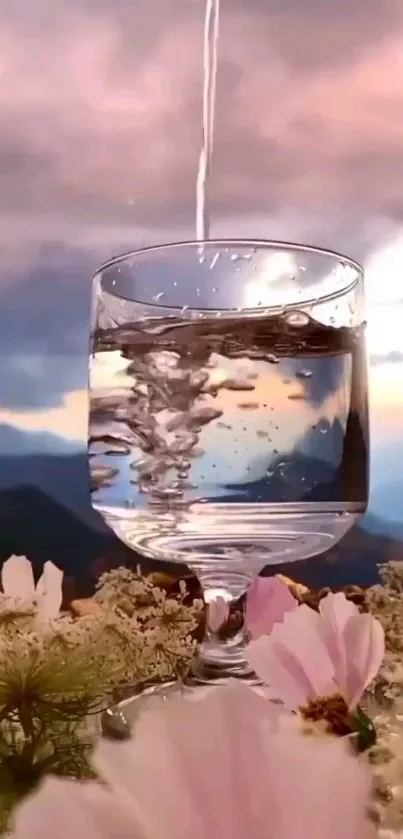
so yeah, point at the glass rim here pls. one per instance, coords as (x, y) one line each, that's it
(268, 244)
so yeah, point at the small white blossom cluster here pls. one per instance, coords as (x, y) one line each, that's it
(133, 594)
(136, 633)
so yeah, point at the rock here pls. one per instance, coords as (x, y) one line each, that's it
(84, 608)
(356, 594)
(297, 589)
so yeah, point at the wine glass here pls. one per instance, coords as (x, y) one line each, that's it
(231, 377)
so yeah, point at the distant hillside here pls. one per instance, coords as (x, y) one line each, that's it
(63, 477)
(14, 441)
(377, 525)
(45, 513)
(355, 559)
(387, 500)
(34, 524)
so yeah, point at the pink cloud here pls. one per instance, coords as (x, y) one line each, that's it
(120, 128)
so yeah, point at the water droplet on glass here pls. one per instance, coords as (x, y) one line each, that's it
(296, 319)
(332, 320)
(158, 297)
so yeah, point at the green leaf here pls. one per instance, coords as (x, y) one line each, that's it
(366, 732)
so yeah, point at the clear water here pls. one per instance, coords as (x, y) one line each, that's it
(210, 56)
(220, 438)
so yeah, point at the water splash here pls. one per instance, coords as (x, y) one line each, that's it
(210, 56)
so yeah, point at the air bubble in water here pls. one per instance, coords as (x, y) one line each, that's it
(158, 297)
(296, 319)
(304, 374)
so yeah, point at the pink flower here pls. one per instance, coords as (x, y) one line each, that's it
(315, 654)
(267, 602)
(218, 768)
(217, 613)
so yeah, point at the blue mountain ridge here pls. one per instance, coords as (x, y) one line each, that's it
(45, 513)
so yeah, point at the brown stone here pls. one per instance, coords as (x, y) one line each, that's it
(312, 599)
(161, 580)
(356, 594)
(297, 589)
(84, 608)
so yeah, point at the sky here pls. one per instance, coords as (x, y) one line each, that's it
(100, 108)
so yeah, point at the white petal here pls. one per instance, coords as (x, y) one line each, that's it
(49, 591)
(17, 578)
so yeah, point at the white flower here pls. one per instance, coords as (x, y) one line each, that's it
(18, 584)
(218, 768)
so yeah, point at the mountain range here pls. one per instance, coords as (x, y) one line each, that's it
(45, 513)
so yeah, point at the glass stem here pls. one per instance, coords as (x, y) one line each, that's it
(222, 655)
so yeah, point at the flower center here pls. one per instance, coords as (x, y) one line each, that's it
(332, 710)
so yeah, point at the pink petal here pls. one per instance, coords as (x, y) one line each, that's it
(335, 611)
(197, 764)
(217, 613)
(207, 769)
(267, 601)
(293, 660)
(63, 809)
(49, 591)
(17, 578)
(364, 639)
(327, 789)
(219, 766)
